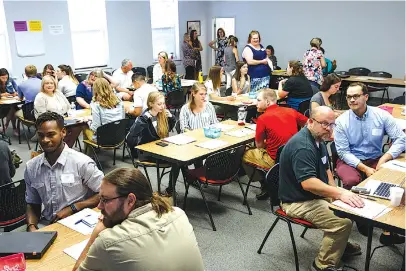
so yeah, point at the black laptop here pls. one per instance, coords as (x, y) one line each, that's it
(32, 244)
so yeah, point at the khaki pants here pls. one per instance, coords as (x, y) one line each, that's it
(336, 230)
(258, 157)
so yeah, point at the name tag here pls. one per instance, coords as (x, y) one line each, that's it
(67, 178)
(376, 132)
(324, 160)
(154, 123)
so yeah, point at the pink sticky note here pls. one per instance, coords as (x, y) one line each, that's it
(20, 26)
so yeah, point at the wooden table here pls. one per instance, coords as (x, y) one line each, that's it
(10, 101)
(182, 155)
(241, 100)
(393, 221)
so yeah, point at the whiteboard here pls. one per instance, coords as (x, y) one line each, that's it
(29, 38)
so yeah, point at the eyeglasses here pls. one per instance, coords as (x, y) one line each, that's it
(104, 201)
(326, 125)
(356, 96)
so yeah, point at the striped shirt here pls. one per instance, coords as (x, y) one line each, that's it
(191, 121)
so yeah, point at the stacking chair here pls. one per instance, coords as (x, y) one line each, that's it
(27, 119)
(359, 71)
(140, 70)
(303, 106)
(343, 87)
(71, 99)
(379, 87)
(81, 76)
(110, 136)
(272, 179)
(334, 158)
(12, 205)
(219, 169)
(175, 100)
(150, 73)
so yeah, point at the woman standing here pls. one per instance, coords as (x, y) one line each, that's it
(313, 63)
(170, 80)
(241, 80)
(230, 60)
(197, 47)
(189, 60)
(255, 55)
(331, 84)
(67, 81)
(221, 45)
(159, 67)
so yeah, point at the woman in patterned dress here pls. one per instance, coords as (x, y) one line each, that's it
(221, 45)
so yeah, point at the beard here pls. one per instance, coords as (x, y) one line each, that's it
(115, 218)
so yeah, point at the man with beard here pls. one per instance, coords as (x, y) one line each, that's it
(138, 229)
(306, 186)
(63, 180)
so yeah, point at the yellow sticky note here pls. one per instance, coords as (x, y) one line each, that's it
(35, 26)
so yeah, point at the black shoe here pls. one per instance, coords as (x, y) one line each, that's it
(313, 267)
(392, 239)
(263, 195)
(352, 249)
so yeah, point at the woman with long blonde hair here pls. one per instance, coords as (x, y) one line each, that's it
(106, 107)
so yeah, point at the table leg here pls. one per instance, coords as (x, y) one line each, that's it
(173, 175)
(369, 244)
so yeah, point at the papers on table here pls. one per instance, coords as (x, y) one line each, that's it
(212, 144)
(370, 210)
(75, 250)
(395, 165)
(370, 78)
(10, 101)
(180, 139)
(223, 127)
(240, 132)
(187, 82)
(251, 126)
(81, 221)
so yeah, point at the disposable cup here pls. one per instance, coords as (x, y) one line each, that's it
(396, 194)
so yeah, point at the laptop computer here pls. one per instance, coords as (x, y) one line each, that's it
(379, 189)
(32, 244)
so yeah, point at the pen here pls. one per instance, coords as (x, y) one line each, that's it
(399, 165)
(365, 197)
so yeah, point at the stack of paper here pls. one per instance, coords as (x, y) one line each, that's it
(212, 144)
(395, 165)
(180, 139)
(370, 210)
(80, 221)
(75, 250)
(223, 127)
(240, 132)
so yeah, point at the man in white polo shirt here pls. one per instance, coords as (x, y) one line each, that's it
(123, 77)
(142, 90)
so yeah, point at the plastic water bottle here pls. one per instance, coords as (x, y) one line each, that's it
(72, 110)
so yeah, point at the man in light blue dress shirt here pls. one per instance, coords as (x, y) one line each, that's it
(30, 87)
(359, 137)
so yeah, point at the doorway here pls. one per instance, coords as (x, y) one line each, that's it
(228, 24)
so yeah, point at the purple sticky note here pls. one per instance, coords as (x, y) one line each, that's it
(20, 26)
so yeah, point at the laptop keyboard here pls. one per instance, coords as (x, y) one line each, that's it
(383, 190)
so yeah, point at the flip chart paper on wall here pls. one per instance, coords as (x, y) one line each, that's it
(29, 38)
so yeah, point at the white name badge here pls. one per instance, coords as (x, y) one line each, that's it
(376, 132)
(67, 178)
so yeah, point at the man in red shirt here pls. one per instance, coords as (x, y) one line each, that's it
(274, 128)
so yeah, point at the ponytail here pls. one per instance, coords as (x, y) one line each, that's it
(161, 205)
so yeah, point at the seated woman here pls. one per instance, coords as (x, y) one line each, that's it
(48, 70)
(297, 87)
(170, 80)
(8, 87)
(106, 107)
(159, 68)
(67, 81)
(50, 98)
(241, 83)
(331, 84)
(213, 84)
(198, 112)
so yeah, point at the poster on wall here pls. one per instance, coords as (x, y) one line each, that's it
(193, 25)
(55, 29)
(29, 38)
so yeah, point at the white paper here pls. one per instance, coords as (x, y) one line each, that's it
(180, 139)
(370, 210)
(70, 221)
(75, 250)
(370, 78)
(240, 132)
(55, 29)
(10, 101)
(29, 43)
(223, 127)
(252, 126)
(395, 165)
(187, 82)
(212, 144)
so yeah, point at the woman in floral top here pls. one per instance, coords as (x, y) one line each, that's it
(189, 58)
(170, 80)
(313, 63)
(222, 42)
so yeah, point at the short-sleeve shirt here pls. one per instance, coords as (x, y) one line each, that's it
(73, 178)
(84, 91)
(141, 95)
(302, 158)
(29, 89)
(123, 79)
(312, 65)
(298, 87)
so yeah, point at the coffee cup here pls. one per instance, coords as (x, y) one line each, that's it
(396, 194)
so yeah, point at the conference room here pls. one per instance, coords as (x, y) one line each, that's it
(141, 50)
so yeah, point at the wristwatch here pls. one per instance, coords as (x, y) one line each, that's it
(73, 207)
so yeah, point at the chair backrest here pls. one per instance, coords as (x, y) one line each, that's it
(28, 111)
(176, 98)
(307, 113)
(272, 184)
(399, 100)
(140, 70)
(12, 203)
(81, 76)
(334, 154)
(359, 71)
(303, 106)
(71, 99)
(278, 153)
(224, 165)
(108, 73)
(380, 74)
(229, 91)
(112, 134)
(150, 71)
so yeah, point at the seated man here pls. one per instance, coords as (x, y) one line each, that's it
(306, 186)
(358, 138)
(30, 87)
(123, 76)
(142, 90)
(274, 128)
(139, 230)
(63, 180)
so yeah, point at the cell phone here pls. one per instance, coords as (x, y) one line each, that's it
(360, 190)
(162, 144)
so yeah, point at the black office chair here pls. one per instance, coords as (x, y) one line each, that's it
(359, 71)
(175, 100)
(12, 205)
(81, 76)
(379, 87)
(399, 100)
(140, 70)
(150, 72)
(303, 106)
(71, 99)
(27, 118)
